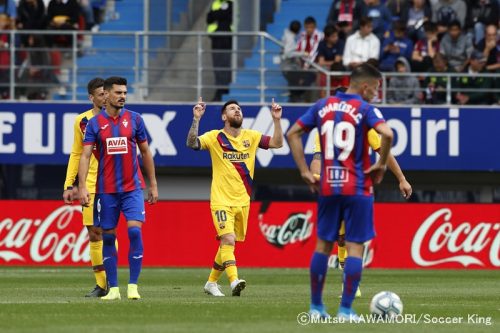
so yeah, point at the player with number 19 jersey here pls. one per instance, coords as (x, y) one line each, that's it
(343, 122)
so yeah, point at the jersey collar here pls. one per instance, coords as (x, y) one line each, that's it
(348, 96)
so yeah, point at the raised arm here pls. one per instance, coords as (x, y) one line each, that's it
(277, 139)
(83, 170)
(192, 138)
(149, 167)
(294, 140)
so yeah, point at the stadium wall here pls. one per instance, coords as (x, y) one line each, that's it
(280, 234)
(432, 139)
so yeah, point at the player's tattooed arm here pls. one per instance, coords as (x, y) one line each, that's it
(192, 139)
(198, 111)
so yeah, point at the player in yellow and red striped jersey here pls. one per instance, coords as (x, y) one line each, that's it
(233, 151)
(96, 96)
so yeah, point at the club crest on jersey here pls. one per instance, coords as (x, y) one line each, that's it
(116, 145)
(125, 123)
(246, 143)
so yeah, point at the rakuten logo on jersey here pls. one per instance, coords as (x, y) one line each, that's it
(48, 240)
(440, 240)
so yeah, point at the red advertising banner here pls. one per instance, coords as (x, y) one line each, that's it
(280, 234)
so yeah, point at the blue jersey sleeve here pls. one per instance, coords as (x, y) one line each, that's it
(373, 117)
(308, 121)
(140, 133)
(90, 132)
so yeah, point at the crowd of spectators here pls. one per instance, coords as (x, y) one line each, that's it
(39, 55)
(429, 37)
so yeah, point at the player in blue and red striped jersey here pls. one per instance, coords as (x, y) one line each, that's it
(347, 177)
(114, 136)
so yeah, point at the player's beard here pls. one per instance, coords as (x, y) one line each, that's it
(235, 122)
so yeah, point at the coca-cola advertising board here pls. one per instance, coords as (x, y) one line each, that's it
(280, 234)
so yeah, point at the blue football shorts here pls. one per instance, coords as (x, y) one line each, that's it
(355, 210)
(107, 208)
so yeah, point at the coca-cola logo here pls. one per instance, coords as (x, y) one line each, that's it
(49, 239)
(449, 242)
(297, 228)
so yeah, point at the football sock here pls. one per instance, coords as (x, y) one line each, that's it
(229, 262)
(110, 258)
(342, 253)
(352, 276)
(135, 253)
(97, 266)
(319, 266)
(217, 268)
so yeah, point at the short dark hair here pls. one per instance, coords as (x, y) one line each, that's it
(365, 21)
(94, 84)
(455, 23)
(330, 30)
(110, 81)
(231, 101)
(365, 71)
(309, 20)
(400, 26)
(430, 26)
(295, 26)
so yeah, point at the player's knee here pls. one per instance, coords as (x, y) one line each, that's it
(355, 249)
(229, 239)
(324, 247)
(134, 233)
(95, 234)
(109, 239)
(341, 240)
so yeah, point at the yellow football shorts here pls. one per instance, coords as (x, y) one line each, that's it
(342, 229)
(88, 212)
(229, 220)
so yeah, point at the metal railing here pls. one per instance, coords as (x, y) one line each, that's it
(169, 66)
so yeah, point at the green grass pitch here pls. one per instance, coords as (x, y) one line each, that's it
(51, 300)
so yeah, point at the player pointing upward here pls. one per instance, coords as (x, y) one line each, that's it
(232, 150)
(345, 188)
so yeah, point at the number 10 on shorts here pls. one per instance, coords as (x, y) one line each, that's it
(221, 218)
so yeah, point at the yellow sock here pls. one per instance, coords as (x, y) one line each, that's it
(97, 265)
(229, 262)
(217, 268)
(342, 252)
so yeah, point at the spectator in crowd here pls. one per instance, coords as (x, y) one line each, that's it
(5, 44)
(8, 8)
(361, 46)
(418, 13)
(446, 11)
(35, 71)
(425, 49)
(290, 60)
(99, 9)
(490, 46)
(62, 15)
(395, 46)
(477, 88)
(309, 40)
(435, 92)
(456, 47)
(403, 89)
(480, 14)
(398, 9)
(88, 13)
(308, 45)
(220, 19)
(345, 15)
(330, 51)
(30, 16)
(380, 15)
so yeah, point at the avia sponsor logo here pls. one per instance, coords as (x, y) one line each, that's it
(235, 157)
(441, 240)
(45, 240)
(296, 228)
(263, 122)
(116, 145)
